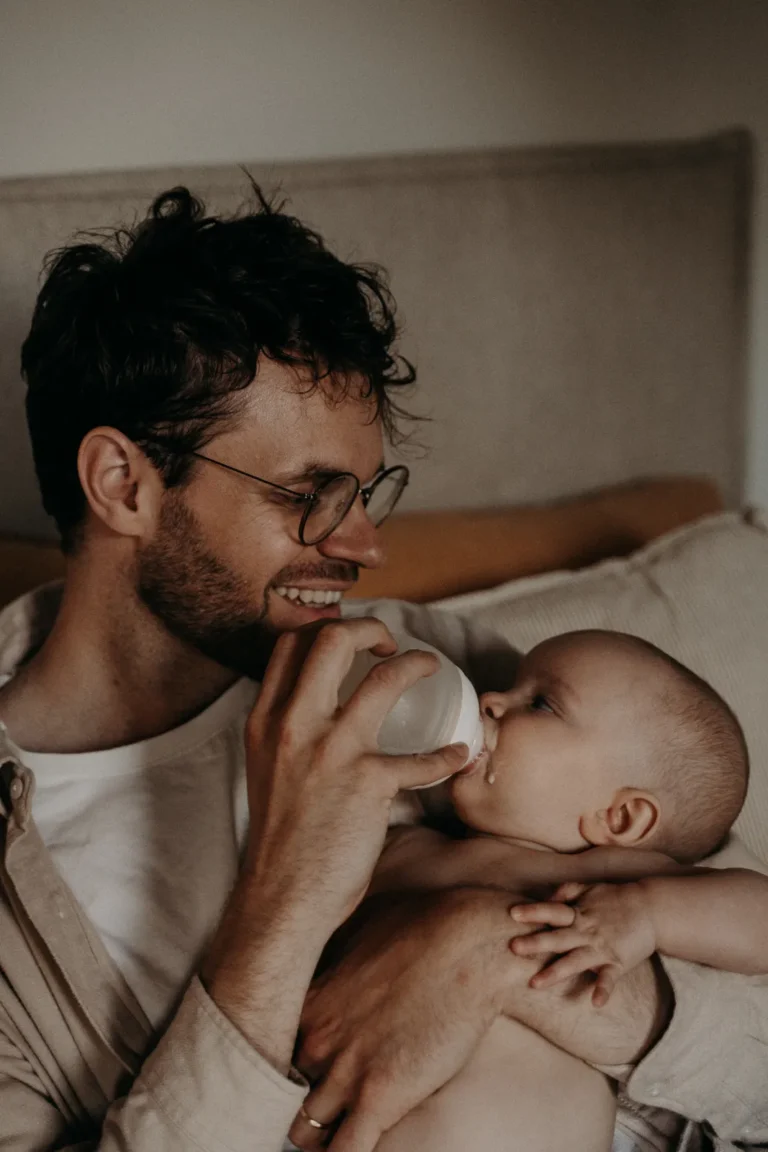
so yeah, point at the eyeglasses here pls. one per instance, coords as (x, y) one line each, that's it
(326, 506)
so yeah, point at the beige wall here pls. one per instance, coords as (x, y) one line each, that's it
(90, 84)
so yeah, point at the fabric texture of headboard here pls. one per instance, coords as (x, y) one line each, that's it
(577, 314)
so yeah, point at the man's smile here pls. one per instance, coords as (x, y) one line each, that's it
(306, 605)
(322, 596)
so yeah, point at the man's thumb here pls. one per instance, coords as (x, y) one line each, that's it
(424, 769)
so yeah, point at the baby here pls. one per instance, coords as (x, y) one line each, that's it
(609, 769)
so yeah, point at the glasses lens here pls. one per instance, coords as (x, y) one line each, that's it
(334, 500)
(385, 493)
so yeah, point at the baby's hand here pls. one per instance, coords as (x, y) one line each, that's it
(601, 928)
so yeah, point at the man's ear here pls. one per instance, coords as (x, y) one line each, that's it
(122, 487)
(631, 819)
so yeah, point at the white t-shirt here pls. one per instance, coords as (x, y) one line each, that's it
(148, 838)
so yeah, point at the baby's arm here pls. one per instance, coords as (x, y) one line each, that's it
(419, 857)
(718, 918)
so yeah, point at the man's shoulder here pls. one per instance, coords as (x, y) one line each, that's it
(25, 623)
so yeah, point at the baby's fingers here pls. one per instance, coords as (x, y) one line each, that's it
(561, 940)
(607, 978)
(576, 962)
(569, 891)
(556, 915)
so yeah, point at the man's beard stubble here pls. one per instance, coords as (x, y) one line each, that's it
(203, 602)
(199, 599)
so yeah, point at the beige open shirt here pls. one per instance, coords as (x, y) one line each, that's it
(80, 1067)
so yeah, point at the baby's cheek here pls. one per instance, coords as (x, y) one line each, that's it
(472, 803)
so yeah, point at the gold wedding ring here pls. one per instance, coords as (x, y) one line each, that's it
(312, 1123)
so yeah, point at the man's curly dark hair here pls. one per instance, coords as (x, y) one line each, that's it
(157, 329)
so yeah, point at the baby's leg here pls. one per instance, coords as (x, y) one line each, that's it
(518, 1093)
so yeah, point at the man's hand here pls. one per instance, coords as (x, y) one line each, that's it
(606, 928)
(319, 793)
(319, 789)
(402, 1011)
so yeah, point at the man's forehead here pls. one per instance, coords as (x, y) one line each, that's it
(317, 471)
(298, 427)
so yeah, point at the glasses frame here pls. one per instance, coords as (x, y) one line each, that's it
(311, 498)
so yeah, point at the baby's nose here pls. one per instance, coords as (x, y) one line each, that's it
(493, 704)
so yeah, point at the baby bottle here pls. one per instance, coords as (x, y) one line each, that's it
(437, 710)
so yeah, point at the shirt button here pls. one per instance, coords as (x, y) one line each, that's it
(16, 789)
(746, 1130)
(654, 1090)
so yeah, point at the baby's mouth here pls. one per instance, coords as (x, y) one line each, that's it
(476, 765)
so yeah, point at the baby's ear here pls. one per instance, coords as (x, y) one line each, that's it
(630, 821)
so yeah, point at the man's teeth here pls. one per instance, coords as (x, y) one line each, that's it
(310, 595)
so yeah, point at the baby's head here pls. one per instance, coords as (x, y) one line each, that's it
(605, 740)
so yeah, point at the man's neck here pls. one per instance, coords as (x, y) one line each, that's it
(108, 674)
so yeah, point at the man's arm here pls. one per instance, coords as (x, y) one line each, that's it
(203, 1087)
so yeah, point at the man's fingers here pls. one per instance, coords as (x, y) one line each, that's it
(383, 687)
(326, 1102)
(426, 768)
(580, 960)
(307, 1136)
(330, 658)
(556, 915)
(360, 1132)
(281, 676)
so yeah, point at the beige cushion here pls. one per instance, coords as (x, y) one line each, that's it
(700, 593)
(445, 553)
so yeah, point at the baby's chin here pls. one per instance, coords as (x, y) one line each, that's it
(459, 801)
(474, 806)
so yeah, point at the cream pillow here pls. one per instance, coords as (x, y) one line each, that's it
(700, 593)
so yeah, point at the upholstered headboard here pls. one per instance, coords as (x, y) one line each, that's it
(577, 315)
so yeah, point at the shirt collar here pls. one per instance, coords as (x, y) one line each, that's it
(25, 623)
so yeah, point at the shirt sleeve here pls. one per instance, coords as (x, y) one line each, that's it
(711, 1064)
(203, 1089)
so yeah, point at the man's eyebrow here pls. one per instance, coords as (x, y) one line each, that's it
(318, 471)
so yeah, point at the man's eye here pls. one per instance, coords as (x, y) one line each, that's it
(539, 703)
(287, 501)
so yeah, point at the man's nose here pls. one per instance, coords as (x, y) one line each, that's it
(355, 540)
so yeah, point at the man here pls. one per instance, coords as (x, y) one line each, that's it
(207, 399)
